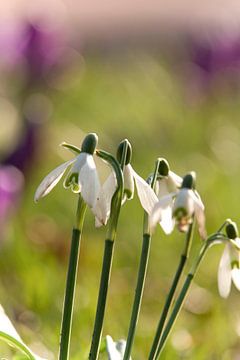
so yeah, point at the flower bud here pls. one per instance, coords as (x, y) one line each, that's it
(232, 230)
(163, 168)
(120, 151)
(89, 143)
(189, 181)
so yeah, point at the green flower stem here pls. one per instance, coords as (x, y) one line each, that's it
(71, 282)
(141, 276)
(102, 298)
(108, 254)
(169, 299)
(181, 297)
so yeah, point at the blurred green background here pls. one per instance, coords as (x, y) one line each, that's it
(141, 96)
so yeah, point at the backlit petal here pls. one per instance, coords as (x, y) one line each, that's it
(146, 195)
(184, 201)
(167, 221)
(177, 179)
(236, 277)
(51, 180)
(89, 181)
(102, 206)
(115, 350)
(199, 214)
(6, 327)
(128, 181)
(161, 188)
(224, 273)
(161, 213)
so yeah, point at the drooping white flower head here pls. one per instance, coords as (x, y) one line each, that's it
(183, 205)
(145, 193)
(167, 183)
(229, 266)
(116, 349)
(188, 204)
(82, 178)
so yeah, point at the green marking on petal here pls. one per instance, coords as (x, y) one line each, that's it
(128, 193)
(180, 213)
(72, 182)
(234, 264)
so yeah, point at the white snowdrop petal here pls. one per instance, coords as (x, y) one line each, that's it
(177, 179)
(89, 181)
(161, 188)
(113, 353)
(161, 214)
(200, 218)
(51, 180)
(115, 349)
(128, 181)
(102, 205)
(224, 273)
(196, 198)
(6, 327)
(167, 222)
(184, 200)
(80, 161)
(146, 195)
(236, 277)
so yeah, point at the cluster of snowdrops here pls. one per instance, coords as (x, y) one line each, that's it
(168, 200)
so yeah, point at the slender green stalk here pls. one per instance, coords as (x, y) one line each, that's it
(71, 282)
(181, 298)
(102, 298)
(138, 294)
(169, 299)
(141, 277)
(108, 253)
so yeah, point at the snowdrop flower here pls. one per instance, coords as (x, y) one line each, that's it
(187, 203)
(115, 350)
(82, 178)
(167, 182)
(229, 266)
(145, 193)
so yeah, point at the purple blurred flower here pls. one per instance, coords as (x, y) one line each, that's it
(217, 56)
(33, 50)
(11, 185)
(213, 64)
(217, 60)
(23, 154)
